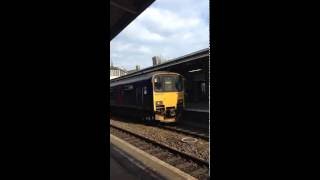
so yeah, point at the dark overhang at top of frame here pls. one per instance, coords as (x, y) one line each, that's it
(123, 12)
(201, 54)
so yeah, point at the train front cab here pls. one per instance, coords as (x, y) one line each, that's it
(168, 97)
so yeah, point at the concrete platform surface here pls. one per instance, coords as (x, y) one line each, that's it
(119, 172)
(122, 167)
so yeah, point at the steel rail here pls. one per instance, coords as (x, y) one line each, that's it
(173, 150)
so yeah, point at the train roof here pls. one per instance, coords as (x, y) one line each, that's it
(138, 78)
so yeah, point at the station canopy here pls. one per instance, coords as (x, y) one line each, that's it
(123, 12)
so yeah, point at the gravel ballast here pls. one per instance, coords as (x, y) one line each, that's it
(200, 148)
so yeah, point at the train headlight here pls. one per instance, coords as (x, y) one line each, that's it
(159, 103)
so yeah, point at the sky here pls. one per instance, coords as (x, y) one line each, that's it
(167, 28)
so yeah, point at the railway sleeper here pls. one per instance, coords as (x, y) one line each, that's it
(136, 144)
(203, 176)
(161, 153)
(145, 147)
(134, 141)
(184, 166)
(164, 157)
(190, 168)
(154, 151)
(139, 144)
(187, 131)
(179, 161)
(199, 171)
(173, 159)
(119, 134)
(128, 139)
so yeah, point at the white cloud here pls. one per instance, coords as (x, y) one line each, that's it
(168, 21)
(138, 32)
(168, 28)
(144, 49)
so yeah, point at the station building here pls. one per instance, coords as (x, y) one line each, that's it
(116, 72)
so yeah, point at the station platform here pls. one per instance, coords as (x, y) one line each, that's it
(197, 107)
(129, 162)
(119, 172)
(122, 167)
(196, 114)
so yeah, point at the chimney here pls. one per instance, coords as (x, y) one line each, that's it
(137, 67)
(156, 60)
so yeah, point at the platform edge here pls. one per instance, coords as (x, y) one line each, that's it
(164, 169)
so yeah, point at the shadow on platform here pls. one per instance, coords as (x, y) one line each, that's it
(123, 168)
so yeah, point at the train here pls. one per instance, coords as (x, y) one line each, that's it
(153, 97)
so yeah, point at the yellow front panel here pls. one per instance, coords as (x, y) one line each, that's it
(169, 99)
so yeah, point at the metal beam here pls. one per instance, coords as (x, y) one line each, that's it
(123, 8)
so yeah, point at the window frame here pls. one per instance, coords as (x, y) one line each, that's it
(176, 76)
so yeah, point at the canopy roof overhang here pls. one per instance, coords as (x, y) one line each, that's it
(123, 12)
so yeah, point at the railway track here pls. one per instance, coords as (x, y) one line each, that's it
(183, 129)
(187, 131)
(188, 163)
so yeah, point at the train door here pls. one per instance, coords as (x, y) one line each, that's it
(146, 114)
(144, 93)
(139, 97)
(119, 96)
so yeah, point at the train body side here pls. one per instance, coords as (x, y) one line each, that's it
(137, 97)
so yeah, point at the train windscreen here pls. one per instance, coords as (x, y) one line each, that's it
(168, 83)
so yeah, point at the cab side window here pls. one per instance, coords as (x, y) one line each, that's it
(157, 83)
